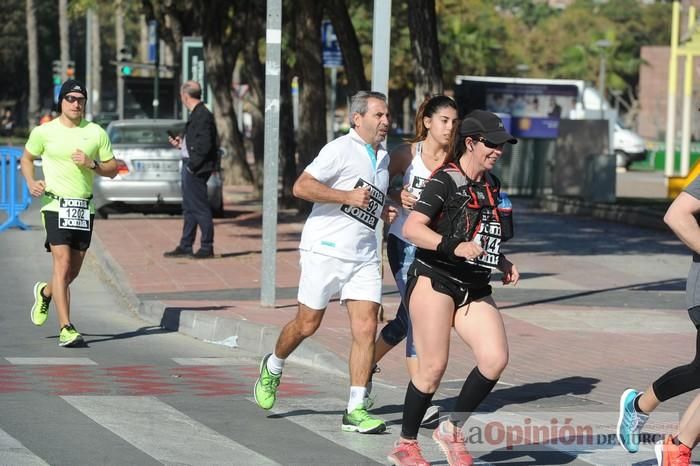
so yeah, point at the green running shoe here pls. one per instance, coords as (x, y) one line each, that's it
(359, 420)
(40, 309)
(266, 386)
(69, 336)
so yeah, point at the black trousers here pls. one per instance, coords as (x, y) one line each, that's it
(196, 211)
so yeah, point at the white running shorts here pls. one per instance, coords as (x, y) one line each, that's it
(324, 276)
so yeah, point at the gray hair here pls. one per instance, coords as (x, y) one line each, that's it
(192, 89)
(358, 104)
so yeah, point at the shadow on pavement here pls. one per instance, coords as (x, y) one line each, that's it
(143, 331)
(674, 284)
(171, 315)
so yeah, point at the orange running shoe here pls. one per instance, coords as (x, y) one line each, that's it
(453, 444)
(670, 454)
(407, 454)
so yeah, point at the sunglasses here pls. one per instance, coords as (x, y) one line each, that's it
(71, 99)
(489, 144)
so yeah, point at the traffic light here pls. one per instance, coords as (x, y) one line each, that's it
(124, 64)
(56, 70)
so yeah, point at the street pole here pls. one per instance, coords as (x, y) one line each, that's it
(88, 63)
(601, 84)
(156, 84)
(381, 42)
(270, 169)
(119, 36)
(669, 163)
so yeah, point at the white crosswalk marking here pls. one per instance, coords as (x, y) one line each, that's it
(13, 453)
(319, 419)
(210, 362)
(163, 432)
(52, 361)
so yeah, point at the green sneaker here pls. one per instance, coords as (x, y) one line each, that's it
(69, 336)
(40, 309)
(359, 420)
(266, 386)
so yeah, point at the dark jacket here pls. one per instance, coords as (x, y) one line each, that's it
(201, 140)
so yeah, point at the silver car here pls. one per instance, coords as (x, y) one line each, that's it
(149, 170)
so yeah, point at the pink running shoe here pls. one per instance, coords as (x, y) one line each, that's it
(453, 445)
(407, 454)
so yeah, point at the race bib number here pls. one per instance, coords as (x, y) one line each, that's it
(370, 215)
(74, 214)
(489, 238)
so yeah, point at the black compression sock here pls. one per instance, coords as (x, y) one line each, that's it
(414, 407)
(473, 392)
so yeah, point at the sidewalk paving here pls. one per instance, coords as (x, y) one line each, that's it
(628, 326)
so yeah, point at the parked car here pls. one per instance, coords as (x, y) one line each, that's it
(149, 170)
(629, 146)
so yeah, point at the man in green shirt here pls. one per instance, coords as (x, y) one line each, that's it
(72, 150)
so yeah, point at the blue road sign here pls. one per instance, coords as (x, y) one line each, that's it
(332, 55)
(152, 25)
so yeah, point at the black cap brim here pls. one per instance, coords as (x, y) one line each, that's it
(500, 137)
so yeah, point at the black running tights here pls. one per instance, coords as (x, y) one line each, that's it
(681, 379)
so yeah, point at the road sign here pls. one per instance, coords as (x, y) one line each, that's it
(152, 41)
(332, 55)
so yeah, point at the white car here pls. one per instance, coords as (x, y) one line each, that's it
(628, 146)
(149, 170)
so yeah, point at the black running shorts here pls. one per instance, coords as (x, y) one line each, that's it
(462, 294)
(76, 239)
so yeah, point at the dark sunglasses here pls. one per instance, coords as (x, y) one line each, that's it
(489, 144)
(71, 99)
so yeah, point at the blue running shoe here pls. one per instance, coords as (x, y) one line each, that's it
(630, 422)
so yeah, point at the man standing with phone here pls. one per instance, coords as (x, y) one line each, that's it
(199, 158)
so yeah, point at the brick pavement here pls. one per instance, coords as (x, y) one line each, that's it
(591, 356)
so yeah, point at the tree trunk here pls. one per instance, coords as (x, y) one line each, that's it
(311, 136)
(288, 164)
(33, 62)
(219, 59)
(424, 44)
(353, 65)
(253, 72)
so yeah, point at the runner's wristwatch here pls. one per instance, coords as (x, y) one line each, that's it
(94, 165)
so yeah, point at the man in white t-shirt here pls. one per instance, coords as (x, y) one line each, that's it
(347, 183)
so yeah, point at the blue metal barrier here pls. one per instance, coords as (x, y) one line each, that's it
(14, 193)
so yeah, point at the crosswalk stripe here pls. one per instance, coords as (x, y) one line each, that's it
(13, 453)
(163, 432)
(210, 362)
(319, 419)
(52, 361)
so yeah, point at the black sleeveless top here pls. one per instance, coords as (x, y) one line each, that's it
(462, 208)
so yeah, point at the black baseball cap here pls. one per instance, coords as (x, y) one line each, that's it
(486, 124)
(71, 85)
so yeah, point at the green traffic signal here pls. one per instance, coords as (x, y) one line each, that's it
(56, 79)
(126, 70)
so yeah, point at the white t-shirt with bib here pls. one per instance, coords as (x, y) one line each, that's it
(415, 178)
(343, 231)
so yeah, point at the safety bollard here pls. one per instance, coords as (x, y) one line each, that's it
(11, 181)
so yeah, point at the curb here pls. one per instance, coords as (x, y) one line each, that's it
(636, 216)
(227, 331)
